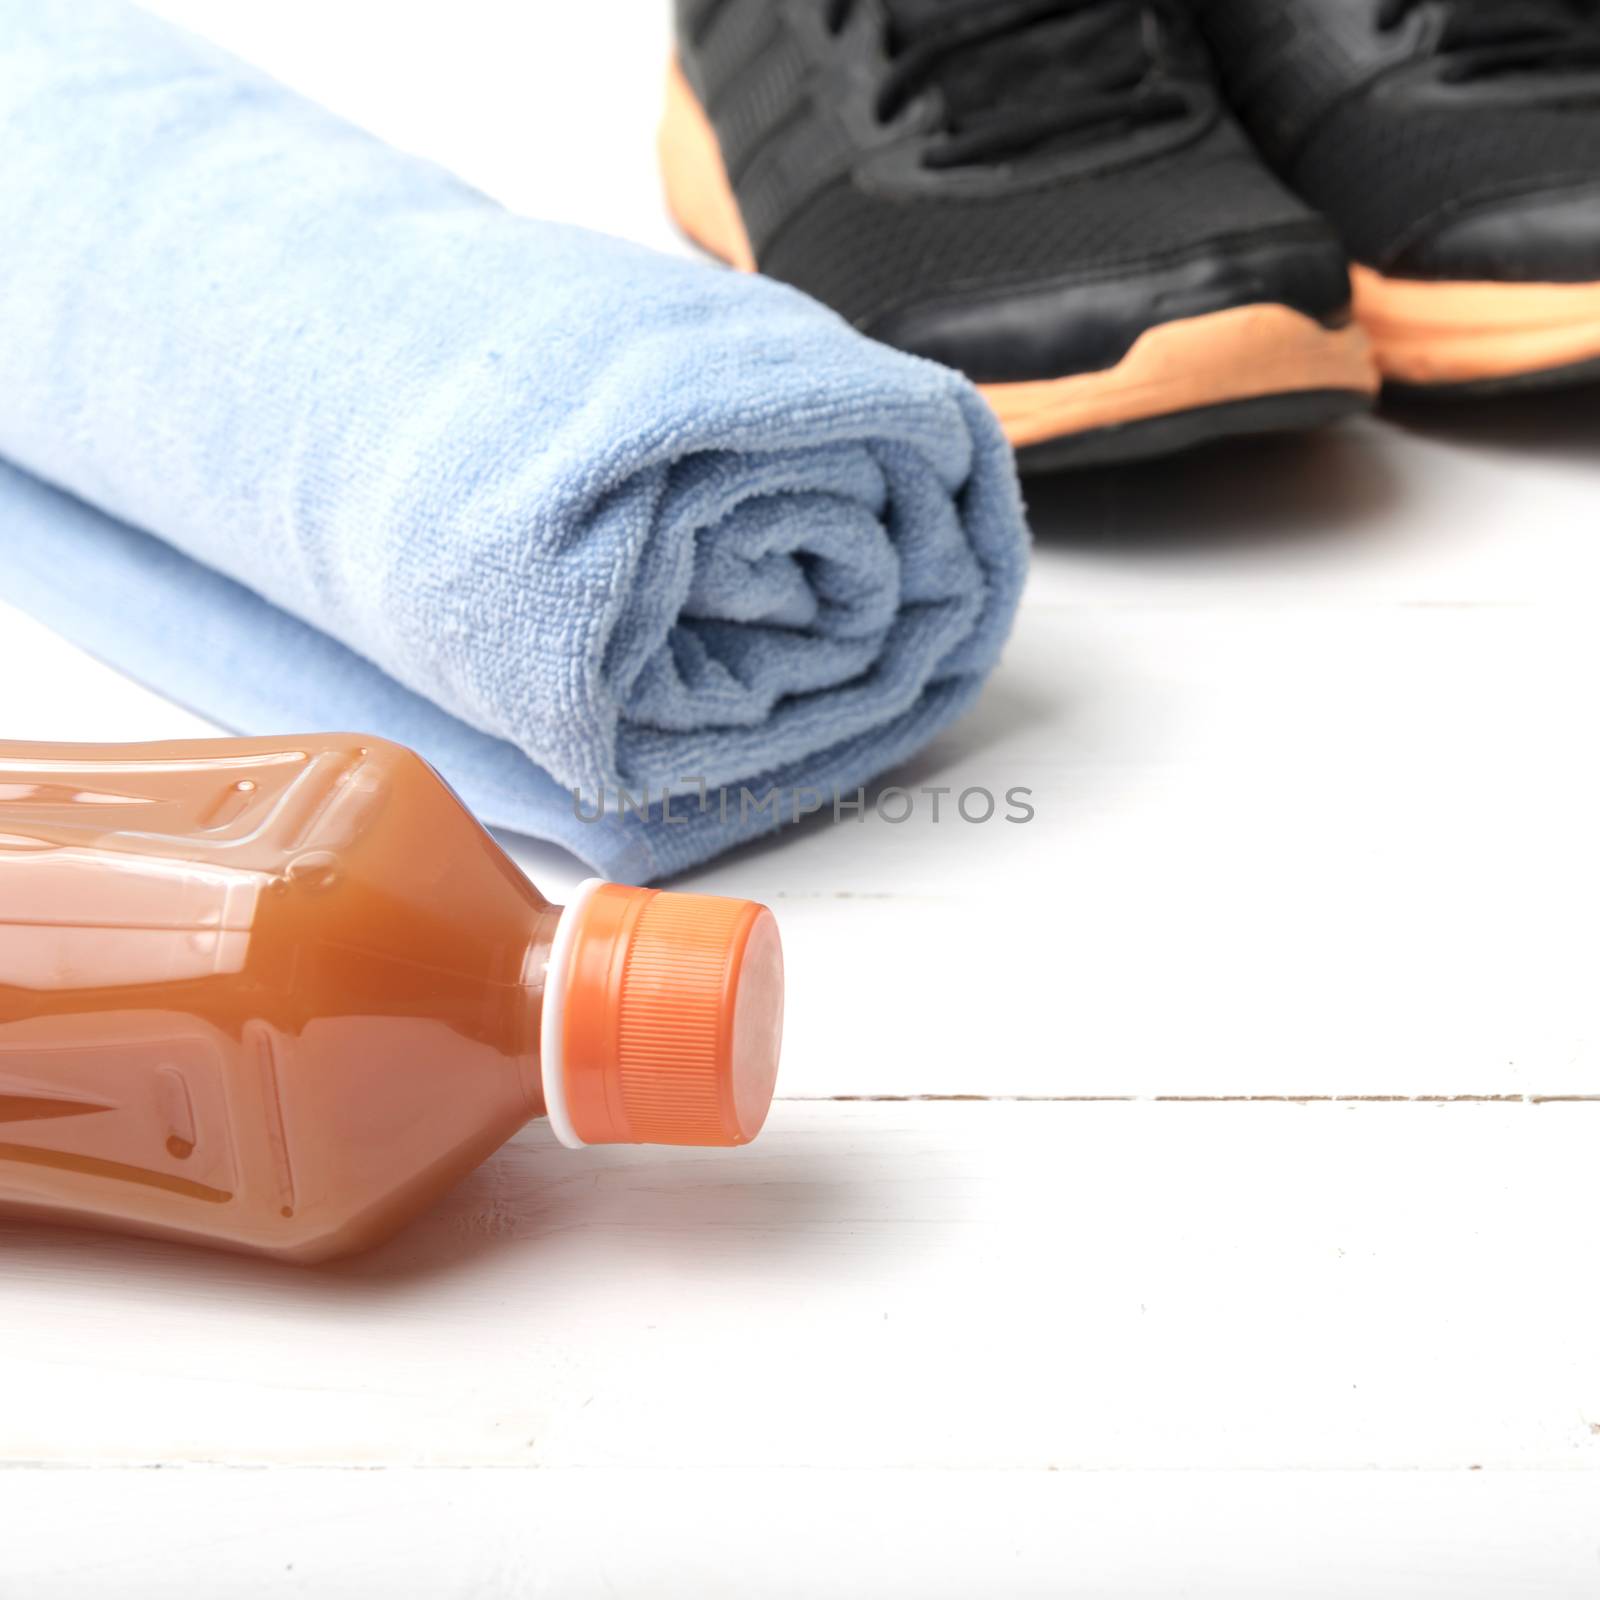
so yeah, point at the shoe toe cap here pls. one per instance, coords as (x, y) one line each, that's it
(1028, 332)
(1552, 236)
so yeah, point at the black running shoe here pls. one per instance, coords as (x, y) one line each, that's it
(1455, 144)
(1046, 194)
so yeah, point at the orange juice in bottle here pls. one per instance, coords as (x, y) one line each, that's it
(277, 995)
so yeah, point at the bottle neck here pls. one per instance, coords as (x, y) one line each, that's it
(552, 1015)
(536, 968)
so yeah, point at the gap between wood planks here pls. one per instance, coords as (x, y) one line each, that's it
(1201, 1099)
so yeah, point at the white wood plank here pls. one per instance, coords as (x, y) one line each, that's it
(1472, 505)
(1278, 850)
(729, 1535)
(551, 109)
(1093, 1288)
(51, 690)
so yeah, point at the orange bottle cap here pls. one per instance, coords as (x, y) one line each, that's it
(662, 1018)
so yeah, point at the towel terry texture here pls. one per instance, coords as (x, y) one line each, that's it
(306, 433)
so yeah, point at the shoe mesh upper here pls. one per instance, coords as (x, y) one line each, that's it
(1384, 171)
(868, 254)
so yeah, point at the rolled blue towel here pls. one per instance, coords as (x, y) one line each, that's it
(305, 432)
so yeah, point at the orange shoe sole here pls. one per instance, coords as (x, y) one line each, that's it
(1479, 335)
(1248, 369)
(699, 195)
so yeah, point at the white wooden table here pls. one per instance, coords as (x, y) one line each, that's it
(1192, 1192)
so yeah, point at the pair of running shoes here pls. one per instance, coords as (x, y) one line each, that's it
(1139, 225)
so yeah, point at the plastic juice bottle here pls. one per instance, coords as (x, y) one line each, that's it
(278, 994)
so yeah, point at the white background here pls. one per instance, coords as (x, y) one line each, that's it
(1190, 1193)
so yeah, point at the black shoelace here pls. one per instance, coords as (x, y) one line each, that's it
(1488, 37)
(1018, 76)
